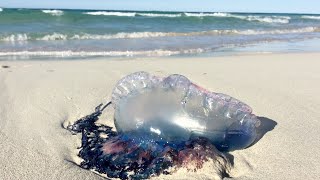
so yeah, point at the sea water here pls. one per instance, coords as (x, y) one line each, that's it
(29, 33)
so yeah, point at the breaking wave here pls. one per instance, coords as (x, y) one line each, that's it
(15, 37)
(265, 19)
(136, 35)
(158, 52)
(1, 9)
(53, 12)
(105, 13)
(218, 14)
(269, 19)
(53, 37)
(311, 17)
(262, 18)
(283, 31)
(131, 14)
(159, 15)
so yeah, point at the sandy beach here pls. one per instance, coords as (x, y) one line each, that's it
(38, 98)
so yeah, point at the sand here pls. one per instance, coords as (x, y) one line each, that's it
(38, 98)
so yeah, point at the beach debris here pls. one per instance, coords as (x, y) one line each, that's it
(5, 66)
(162, 125)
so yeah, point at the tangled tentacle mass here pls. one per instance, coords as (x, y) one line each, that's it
(121, 156)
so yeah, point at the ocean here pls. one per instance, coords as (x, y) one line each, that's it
(30, 33)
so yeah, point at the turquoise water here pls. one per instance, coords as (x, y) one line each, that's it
(84, 33)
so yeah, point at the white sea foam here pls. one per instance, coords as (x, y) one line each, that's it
(159, 15)
(106, 13)
(282, 31)
(53, 12)
(137, 35)
(265, 19)
(311, 17)
(269, 19)
(1, 9)
(122, 35)
(14, 37)
(131, 14)
(252, 32)
(53, 37)
(218, 14)
(201, 33)
(158, 52)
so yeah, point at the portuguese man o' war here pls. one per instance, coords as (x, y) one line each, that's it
(175, 109)
(163, 124)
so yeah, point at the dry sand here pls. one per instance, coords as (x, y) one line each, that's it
(38, 97)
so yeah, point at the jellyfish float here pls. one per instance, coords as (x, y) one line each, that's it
(163, 124)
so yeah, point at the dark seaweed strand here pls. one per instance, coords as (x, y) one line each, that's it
(116, 165)
(91, 140)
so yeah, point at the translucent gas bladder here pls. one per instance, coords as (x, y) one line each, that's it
(175, 109)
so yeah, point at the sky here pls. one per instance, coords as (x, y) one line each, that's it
(281, 6)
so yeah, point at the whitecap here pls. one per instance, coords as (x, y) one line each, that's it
(157, 52)
(15, 37)
(217, 14)
(311, 17)
(106, 13)
(269, 19)
(137, 35)
(53, 12)
(121, 35)
(265, 19)
(280, 31)
(53, 37)
(159, 15)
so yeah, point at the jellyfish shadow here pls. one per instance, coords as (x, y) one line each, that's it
(266, 125)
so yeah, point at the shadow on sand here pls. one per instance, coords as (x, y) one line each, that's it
(265, 126)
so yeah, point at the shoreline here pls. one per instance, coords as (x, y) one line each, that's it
(310, 46)
(156, 58)
(39, 97)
